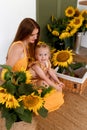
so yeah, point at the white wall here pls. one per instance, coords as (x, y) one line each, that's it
(11, 14)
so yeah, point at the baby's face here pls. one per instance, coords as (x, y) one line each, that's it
(42, 54)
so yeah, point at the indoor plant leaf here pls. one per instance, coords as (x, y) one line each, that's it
(26, 116)
(9, 116)
(25, 89)
(10, 120)
(11, 88)
(43, 111)
(6, 67)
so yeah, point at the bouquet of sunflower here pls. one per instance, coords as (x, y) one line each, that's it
(19, 99)
(63, 62)
(74, 20)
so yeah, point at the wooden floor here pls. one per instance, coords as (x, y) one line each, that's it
(71, 116)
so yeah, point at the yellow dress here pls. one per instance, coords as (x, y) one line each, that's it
(23, 62)
(53, 100)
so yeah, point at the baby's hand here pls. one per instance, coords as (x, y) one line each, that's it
(58, 87)
(62, 85)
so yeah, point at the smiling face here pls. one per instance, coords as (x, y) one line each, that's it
(32, 38)
(42, 54)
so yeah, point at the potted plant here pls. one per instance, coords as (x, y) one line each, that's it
(20, 100)
(73, 74)
(65, 29)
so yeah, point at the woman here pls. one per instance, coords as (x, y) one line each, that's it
(21, 53)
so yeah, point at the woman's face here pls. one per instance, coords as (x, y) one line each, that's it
(32, 38)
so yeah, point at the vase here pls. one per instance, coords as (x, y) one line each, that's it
(69, 42)
(20, 125)
(59, 45)
(78, 42)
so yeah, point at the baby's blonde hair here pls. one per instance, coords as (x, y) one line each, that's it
(42, 45)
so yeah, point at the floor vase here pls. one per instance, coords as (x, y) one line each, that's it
(19, 125)
(69, 42)
(78, 42)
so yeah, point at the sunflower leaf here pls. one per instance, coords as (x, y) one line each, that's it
(20, 109)
(19, 77)
(46, 90)
(8, 75)
(26, 116)
(25, 89)
(11, 88)
(77, 65)
(43, 111)
(10, 118)
(6, 67)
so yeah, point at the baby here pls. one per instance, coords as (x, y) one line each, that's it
(42, 73)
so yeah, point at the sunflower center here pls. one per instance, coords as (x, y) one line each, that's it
(31, 101)
(2, 91)
(77, 21)
(70, 11)
(62, 57)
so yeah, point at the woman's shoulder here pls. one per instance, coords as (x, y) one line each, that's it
(17, 44)
(16, 47)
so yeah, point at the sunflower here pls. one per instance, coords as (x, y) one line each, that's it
(53, 18)
(70, 11)
(55, 33)
(8, 99)
(53, 50)
(77, 12)
(3, 73)
(77, 22)
(3, 98)
(28, 77)
(64, 35)
(62, 58)
(11, 101)
(84, 13)
(2, 90)
(41, 43)
(22, 76)
(32, 102)
(49, 28)
(2, 95)
(73, 31)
